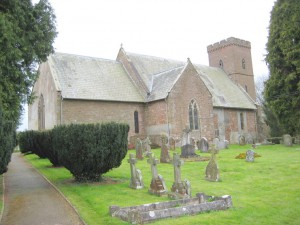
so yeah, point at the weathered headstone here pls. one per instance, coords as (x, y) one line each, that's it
(226, 142)
(165, 154)
(172, 144)
(139, 149)
(216, 144)
(187, 149)
(136, 180)
(287, 140)
(158, 185)
(203, 145)
(250, 156)
(179, 189)
(242, 140)
(212, 169)
(147, 147)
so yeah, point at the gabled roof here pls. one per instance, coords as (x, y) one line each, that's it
(225, 93)
(148, 66)
(81, 77)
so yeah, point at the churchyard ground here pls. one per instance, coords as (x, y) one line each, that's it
(266, 191)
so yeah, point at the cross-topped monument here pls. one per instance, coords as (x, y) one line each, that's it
(136, 180)
(157, 186)
(179, 189)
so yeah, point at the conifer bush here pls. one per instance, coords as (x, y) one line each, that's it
(7, 142)
(25, 139)
(90, 150)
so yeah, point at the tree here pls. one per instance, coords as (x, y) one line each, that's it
(27, 33)
(282, 89)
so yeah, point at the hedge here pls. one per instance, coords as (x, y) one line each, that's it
(90, 150)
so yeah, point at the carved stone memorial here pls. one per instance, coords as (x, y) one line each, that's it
(203, 145)
(242, 140)
(187, 149)
(158, 185)
(250, 156)
(139, 149)
(212, 169)
(136, 180)
(146, 147)
(165, 154)
(180, 189)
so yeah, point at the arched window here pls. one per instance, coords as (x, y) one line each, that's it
(242, 121)
(136, 122)
(41, 113)
(243, 64)
(221, 63)
(193, 116)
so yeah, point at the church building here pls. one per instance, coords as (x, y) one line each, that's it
(153, 95)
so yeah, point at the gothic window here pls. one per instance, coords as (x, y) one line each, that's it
(193, 116)
(242, 121)
(136, 122)
(41, 113)
(243, 63)
(221, 63)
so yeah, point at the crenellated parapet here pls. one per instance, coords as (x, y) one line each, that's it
(228, 42)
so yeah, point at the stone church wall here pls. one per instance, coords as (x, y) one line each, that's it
(83, 111)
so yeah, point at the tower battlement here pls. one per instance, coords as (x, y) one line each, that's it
(228, 42)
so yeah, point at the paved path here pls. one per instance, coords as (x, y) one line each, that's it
(30, 200)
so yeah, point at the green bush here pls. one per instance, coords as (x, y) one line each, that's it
(7, 142)
(25, 139)
(90, 150)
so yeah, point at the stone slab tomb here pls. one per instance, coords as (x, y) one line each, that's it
(136, 180)
(147, 213)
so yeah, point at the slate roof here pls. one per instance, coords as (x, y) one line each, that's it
(225, 93)
(81, 77)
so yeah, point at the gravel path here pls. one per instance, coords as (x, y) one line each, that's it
(29, 199)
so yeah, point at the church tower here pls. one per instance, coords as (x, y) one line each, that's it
(233, 55)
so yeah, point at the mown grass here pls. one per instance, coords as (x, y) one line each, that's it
(264, 192)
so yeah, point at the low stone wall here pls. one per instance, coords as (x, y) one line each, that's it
(146, 213)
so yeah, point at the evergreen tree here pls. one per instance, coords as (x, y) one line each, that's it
(27, 33)
(282, 89)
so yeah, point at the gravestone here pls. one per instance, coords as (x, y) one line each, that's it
(139, 149)
(165, 154)
(250, 156)
(187, 149)
(216, 144)
(180, 189)
(158, 185)
(146, 147)
(203, 145)
(226, 142)
(242, 140)
(172, 143)
(287, 140)
(212, 169)
(136, 180)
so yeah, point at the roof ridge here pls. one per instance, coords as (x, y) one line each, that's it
(85, 56)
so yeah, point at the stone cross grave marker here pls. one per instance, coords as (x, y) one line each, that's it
(136, 181)
(179, 189)
(158, 185)
(187, 149)
(250, 156)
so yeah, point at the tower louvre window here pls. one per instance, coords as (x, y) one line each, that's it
(243, 64)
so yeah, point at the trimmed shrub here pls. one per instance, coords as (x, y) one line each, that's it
(25, 139)
(7, 142)
(90, 150)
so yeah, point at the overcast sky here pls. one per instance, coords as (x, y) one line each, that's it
(175, 29)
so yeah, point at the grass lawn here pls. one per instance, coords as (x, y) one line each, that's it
(266, 191)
